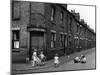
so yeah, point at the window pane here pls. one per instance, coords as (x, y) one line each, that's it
(16, 10)
(16, 44)
(61, 37)
(61, 40)
(69, 44)
(15, 39)
(15, 35)
(61, 17)
(66, 42)
(52, 44)
(70, 24)
(54, 37)
(52, 13)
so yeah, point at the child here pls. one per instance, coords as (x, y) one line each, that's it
(38, 61)
(42, 57)
(56, 60)
(34, 58)
(83, 59)
(76, 60)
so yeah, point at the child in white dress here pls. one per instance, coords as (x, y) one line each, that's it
(42, 57)
(34, 58)
(56, 60)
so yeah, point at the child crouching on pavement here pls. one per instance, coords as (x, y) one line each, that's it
(56, 60)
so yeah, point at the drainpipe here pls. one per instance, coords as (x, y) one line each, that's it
(30, 53)
(64, 45)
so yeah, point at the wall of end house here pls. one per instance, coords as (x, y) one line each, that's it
(30, 14)
(36, 14)
(21, 53)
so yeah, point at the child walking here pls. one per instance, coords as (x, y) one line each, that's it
(34, 58)
(56, 60)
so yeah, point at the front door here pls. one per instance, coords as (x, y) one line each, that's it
(65, 44)
(36, 41)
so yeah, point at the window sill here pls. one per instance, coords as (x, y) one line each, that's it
(53, 49)
(15, 19)
(16, 50)
(58, 48)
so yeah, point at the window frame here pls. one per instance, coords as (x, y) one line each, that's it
(18, 9)
(77, 28)
(76, 43)
(53, 11)
(65, 40)
(15, 40)
(61, 17)
(70, 24)
(53, 39)
(62, 40)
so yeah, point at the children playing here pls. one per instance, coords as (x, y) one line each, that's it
(38, 60)
(56, 60)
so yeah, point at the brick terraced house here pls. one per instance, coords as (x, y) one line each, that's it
(47, 26)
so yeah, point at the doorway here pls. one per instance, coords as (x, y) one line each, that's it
(36, 41)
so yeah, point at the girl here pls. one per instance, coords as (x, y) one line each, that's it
(42, 57)
(56, 60)
(34, 58)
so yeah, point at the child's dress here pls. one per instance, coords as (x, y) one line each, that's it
(34, 59)
(42, 57)
(56, 60)
(38, 61)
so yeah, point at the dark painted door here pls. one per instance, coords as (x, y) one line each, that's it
(36, 41)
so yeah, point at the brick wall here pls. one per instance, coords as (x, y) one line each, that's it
(36, 14)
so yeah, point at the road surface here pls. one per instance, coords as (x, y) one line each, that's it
(70, 65)
(90, 64)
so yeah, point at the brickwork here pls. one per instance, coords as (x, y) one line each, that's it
(37, 16)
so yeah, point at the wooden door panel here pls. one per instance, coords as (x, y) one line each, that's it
(37, 40)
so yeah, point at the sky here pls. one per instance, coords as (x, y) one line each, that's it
(86, 12)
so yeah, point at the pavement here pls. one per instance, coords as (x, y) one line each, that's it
(28, 66)
(63, 59)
